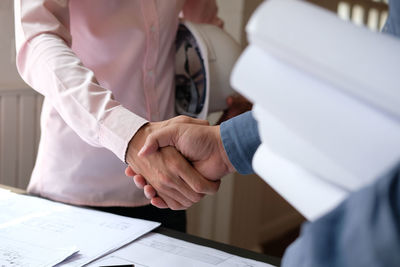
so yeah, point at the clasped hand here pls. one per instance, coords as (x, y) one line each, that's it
(180, 183)
(176, 182)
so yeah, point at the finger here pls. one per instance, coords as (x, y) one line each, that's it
(129, 171)
(186, 119)
(188, 196)
(197, 121)
(139, 181)
(182, 196)
(197, 182)
(160, 138)
(178, 166)
(174, 191)
(170, 185)
(167, 135)
(149, 192)
(159, 203)
(176, 202)
(174, 199)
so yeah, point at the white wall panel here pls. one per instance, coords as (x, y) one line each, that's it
(19, 135)
(8, 139)
(27, 137)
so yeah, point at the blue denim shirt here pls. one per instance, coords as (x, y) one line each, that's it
(392, 25)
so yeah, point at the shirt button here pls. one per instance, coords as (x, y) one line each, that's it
(153, 28)
(151, 73)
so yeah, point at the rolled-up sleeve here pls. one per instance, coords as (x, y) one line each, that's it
(47, 63)
(241, 139)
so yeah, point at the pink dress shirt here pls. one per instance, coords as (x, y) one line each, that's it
(105, 67)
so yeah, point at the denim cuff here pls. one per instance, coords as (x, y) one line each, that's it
(240, 139)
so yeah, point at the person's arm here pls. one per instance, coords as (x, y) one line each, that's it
(363, 231)
(48, 64)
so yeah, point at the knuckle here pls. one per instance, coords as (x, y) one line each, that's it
(166, 181)
(173, 164)
(187, 203)
(197, 198)
(199, 187)
(174, 207)
(186, 206)
(182, 118)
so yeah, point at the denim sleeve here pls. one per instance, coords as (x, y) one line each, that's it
(241, 139)
(392, 25)
(363, 231)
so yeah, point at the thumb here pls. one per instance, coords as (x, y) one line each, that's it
(160, 138)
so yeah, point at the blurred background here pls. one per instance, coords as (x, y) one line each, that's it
(246, 212)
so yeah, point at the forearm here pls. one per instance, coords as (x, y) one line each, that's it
(48, 64)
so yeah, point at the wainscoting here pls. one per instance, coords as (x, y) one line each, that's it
(19, 134)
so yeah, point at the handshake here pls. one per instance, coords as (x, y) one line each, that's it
(180, 160)
(177, 161)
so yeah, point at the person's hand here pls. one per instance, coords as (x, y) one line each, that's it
(237, 104)
(174, 179)
(199, 143)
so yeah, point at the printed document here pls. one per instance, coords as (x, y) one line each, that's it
(43, 233)
(157, 250)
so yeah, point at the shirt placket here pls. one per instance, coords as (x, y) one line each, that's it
(152, 49)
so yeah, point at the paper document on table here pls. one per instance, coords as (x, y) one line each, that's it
(157, 250)
(25, 253)
(27, 221)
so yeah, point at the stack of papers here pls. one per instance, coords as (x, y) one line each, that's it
(39, 232)
(327, 102)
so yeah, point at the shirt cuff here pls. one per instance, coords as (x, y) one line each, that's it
(240, 139)
(117, 130)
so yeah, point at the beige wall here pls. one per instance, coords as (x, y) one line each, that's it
(9, 77)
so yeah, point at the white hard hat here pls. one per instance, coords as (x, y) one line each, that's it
(205, 55)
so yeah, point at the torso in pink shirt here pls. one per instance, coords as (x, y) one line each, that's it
(76, 53)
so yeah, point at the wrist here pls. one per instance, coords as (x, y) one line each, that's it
(138, 140)
(225, 159)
